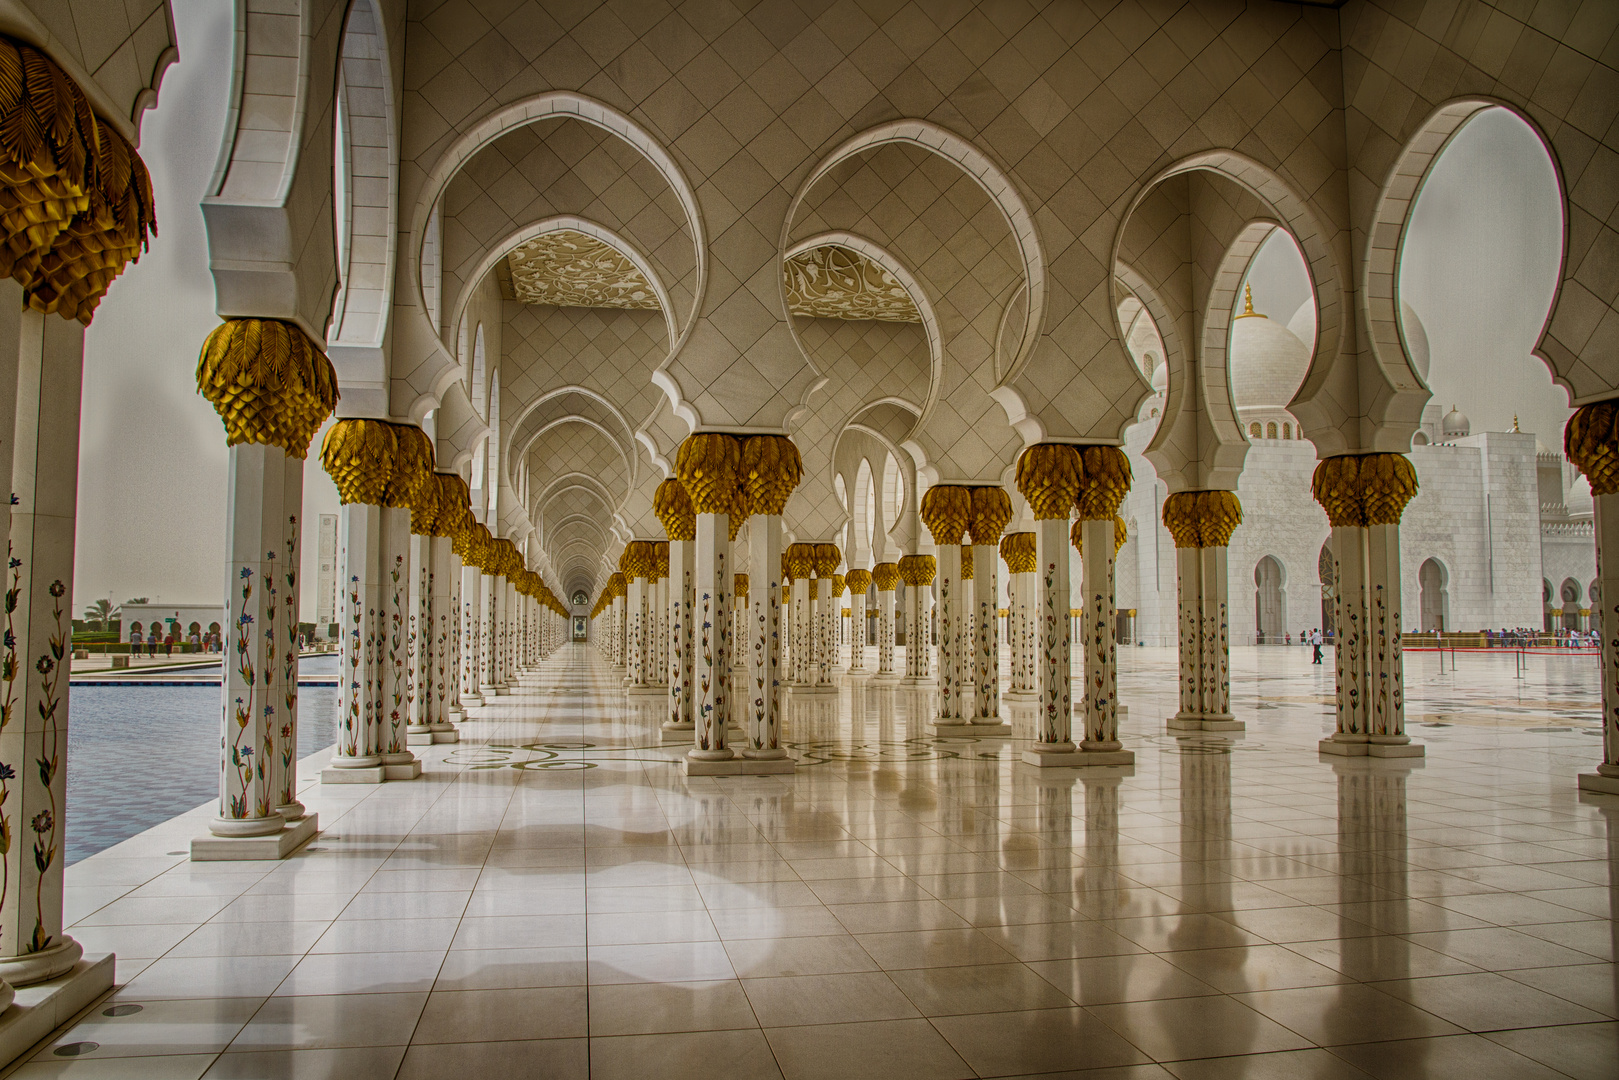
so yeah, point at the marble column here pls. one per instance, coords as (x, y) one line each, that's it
(44, 452)
(419, 730)
(886, 577)
(827, 557)
(636, 566)
(992, 509)
(859, 582)
(764, 700)
(443, 607)
(800, 566)
(361, 725)
(488, 648)
(947, 512)
(393, 623)
(679, 715)
(1201, 523)
(660, 616)
(1048, 476)
(468, 633)
(1021, 555)
(1099, 620)
(1605, 778)
(1364, 496)
(919, 573)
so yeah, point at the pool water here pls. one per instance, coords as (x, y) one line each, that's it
(140, 755)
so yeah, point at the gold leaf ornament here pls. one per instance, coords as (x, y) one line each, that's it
(860, 580)
(359, 455)
(966, 562)
(708, 465)
(739, 584)
(1105, 482)
(771, 470)
(413, 467)
(992, 509)
(827, 557)
(839, 583)
(800, 561)
(673, 507)
(1018, 550)
(47, 154)
(1591, 441)
(886, 576)
(269, 382)
(1048, 476)
(917, 570)
(946, 510)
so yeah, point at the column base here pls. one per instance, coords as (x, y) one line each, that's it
(885, 678)
(293, 811)
(1364, 746)
(47, 964)
(446, 733)
(647, 691)
(1021, 696)
(813, 690)
(402, 767)
(918, 682)
(40, 1009)
(333, 775)
(1078, 759)
(294, 835)
(502, 691)
(741, 766)
(419, 738)
(1205, 723)
(472, 699)
(997, 729)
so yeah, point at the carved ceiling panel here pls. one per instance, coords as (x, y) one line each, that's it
(836, 283)
(569, 269)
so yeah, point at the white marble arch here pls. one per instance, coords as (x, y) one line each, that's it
(996, 184)
(1379, 293)
(888, 261)
(367, 222)
(427, 372)
(564, 403)
(268, 207)
(569, 223)
(1324, 403)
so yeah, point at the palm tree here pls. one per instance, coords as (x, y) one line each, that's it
(101, 613)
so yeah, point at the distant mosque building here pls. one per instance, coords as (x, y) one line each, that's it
(1500, 535)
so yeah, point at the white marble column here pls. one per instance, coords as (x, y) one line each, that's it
(711, 586)
(803, 654)
(764, 701)
(986, 637)
(635, 632)
(1349, 641)
(859, 582)
(398, 763)
(361, 724)
(38, 640)
(886, 577)
(1605, 778)
(681, 666)
(1054, 718)
(948, 608)
(825, 616)
(443, 605)
(1098, 615)
(419, 730)
(470, 635)
(1385, 665)
(1020, 552)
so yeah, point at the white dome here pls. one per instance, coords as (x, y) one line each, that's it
(1455, 425)
(1302, 324)
(1416, 339)
(1267, 363)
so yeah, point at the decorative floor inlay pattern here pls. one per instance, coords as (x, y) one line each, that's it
(554, 897)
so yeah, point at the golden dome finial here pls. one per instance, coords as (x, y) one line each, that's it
(1515, 423)
(1248, 311)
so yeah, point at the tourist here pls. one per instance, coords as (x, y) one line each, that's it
(1316, 641)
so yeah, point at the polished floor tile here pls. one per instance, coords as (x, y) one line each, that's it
(1233, 905)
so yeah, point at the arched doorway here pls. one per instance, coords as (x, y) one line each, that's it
(1270, 613)
(1435, 601)
(1329, 582)
(1571, 594)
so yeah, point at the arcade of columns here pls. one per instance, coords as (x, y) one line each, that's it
(441, 615)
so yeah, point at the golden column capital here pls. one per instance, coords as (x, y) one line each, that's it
(1048, 476)
(1105, 482)
(454, 505)
(771, 469)
(359, 456)
(413, 466)
(1198, 519)
(1019, 552)
(617, 585)
(918, 570)
(739, 584)
(992, 509)
(426, 507)
(1121, 533)
(674, 509)
(738, 513)
(1357, 490)
(269, 382)
(966, 562)
(709, 466)
(860, 580)
(660, 560)
(947, 510)
(786, 570)
(839, 583)
(827, 557)
(800, 560)
(886, 576)
(1591, 441)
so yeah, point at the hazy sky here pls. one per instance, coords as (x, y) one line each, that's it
(1479, 269)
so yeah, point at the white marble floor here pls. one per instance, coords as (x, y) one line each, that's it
(554, 899)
